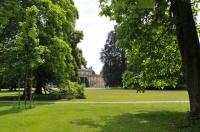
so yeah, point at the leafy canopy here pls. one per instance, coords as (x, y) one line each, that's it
(144, 29)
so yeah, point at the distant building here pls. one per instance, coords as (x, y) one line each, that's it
(89, 76)
(83, 72)
(97, 81)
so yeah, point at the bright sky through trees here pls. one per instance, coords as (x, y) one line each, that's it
(95, 30)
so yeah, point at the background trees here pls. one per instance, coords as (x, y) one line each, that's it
(114, 61)
(8, 25)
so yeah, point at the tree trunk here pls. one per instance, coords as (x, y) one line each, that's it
(29, 89)
(27, 95)
(40, 81)
(190, 50)
(39, 86)
(38, 89)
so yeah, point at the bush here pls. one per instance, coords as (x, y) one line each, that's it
(73, 90)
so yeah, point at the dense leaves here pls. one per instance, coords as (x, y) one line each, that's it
(148, 37)
(37, 40)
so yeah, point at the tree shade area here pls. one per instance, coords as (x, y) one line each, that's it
(152, 32)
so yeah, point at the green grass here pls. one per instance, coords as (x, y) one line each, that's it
(9, 95)
(159, 117)
(93, 117)
(132, 95)
(120, 95)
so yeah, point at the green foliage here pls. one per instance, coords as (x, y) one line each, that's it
(78, 60)
(37, 37)
(73, 89)
(57, 21)
(127, 79)
(7, 10)
(27, 42)
(146, 4)
(147, 34)
(21, 52)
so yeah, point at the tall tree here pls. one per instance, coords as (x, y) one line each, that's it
(55, 26)
(186, 32)
(114, 61)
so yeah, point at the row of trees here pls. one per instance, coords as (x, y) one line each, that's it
(38, 43)
(157, 36)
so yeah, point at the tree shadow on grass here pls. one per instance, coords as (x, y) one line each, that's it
(9, 97)
(8, 109)
(158, 121)
(14, 108)
(14, 96)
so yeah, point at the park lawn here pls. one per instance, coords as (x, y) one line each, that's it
(132, 95)
(64, 117)
(69, 117)
(9, 95)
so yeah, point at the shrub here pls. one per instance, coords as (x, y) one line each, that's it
(73, 90)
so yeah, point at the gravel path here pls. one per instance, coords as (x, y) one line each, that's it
(100, 102)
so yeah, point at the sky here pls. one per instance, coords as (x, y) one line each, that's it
(95, 29)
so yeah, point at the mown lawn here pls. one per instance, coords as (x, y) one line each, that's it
(119, 95)
(132, 95)
(64, 117)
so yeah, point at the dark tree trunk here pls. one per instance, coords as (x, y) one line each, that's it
(38, 90)
(190, 50)
(123, 65)
(40, 76)
(39, 86)
(27, 94)
(29, 90)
